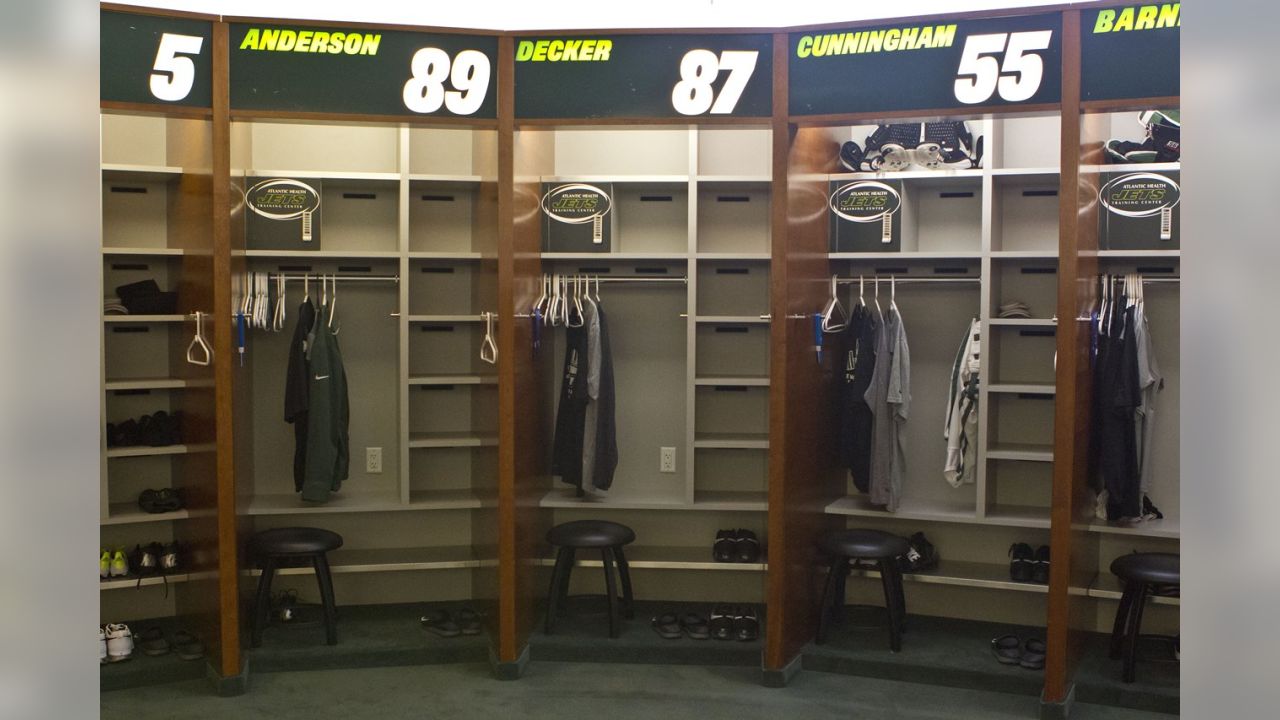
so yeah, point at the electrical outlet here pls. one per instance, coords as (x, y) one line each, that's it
(373, 459)
(667, 459)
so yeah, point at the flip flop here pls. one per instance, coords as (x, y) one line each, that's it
(187, 645)
(695, 626)
(1006, 649)
(722, 622)
(152, 641)
(667, 625)
(1033, 651)
(439, 623)
(468, 621)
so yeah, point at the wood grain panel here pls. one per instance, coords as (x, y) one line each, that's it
(803, 476)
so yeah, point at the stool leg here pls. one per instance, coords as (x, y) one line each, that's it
(325, 578)
(827, 606)
(887, 568)
(1121, 623)
(262, 603)
(1131, 639)
(624, 574)
(610, 585)
(559, 577)
(898, 596)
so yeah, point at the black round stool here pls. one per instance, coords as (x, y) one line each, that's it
(285, 547)
(845, 545)
(1143, 574)
(608, 537)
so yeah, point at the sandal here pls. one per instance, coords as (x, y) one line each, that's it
(188, 645)
(439, 622)
(746, 626)
(725, 547)
(1033, 654)
(695, 626)
(1006, 649)
(152, 641)
(722, 622)
(667, 626)
(468, 621)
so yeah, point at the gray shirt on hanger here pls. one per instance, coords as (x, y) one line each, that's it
(591, 320)
(1149, 382)
(889, 398)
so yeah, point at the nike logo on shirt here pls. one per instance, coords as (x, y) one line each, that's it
(322, 377)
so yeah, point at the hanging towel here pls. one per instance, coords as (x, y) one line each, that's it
(960, 428)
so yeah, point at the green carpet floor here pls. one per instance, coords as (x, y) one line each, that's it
(559, 691)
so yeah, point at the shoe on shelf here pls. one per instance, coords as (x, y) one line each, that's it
(722, 621)
(145, 560)
(725, 548)
(102, 645)
(119, 642)
(160, 501)
(1149, 510)
(748, 547)
(746, 626)
(104, 564)
(1040, 565)
(1023, 557)
(169, 557)
(921, 554)
(119, 564)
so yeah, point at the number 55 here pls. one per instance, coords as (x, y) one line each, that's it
(1017, 78)
(175, 75)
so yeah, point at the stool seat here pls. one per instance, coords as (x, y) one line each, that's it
(1156, 568)
(590, 534)
(869, 544)
(294, 541)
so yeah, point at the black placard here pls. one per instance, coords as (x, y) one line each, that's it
(155, 60)
(644, 76)
(363, 71)
(942, 64)
(1130, 52)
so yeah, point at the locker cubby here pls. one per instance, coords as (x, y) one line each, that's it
(448, 409)
(439, 151)
(1020, 420)
(650, 217)
(621, 151)
(263, 146)
(906, 268)
(435, 470)
(731, 471)
(941, 215)
(442, 216)
(1034, 282)
(119, 270)
(359, 215)
(734, 151)
(860, 133)
(733, 217)
(446, 348)
(1022, 354)
(736, 288)
(124, 405)
(439, 287)
(135, 210)
(1026, 210)
(142, 350)
(1025, 142)
(127, 477)
(727, 350)
(731, 411)
(1019, 486)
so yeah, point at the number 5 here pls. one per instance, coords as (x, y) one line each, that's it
(175, 75)
(1029, 68)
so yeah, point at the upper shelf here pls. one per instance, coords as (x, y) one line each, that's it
(137, 173)
(1134, 167)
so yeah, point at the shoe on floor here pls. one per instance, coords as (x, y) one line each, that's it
(1007, 649)
(187, 645)
(1033, 651)
(119, 642)
(468, 621)
(152, 641)
(746, 626)
(439, 623)
(722, 619)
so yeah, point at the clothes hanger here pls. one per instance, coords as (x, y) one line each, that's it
(564, 300)
(893, 293)
(577, 300)
(333, 306)
(879, 312)
(861, 288)
(306, 287)
(488, 350)
(597, 289)
(538, 304)
(199, 352)
(586, 291)
(553, 307)
(828, 312)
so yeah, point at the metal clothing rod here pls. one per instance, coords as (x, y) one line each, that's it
(606, 280)
(871, 279)
(328, 277)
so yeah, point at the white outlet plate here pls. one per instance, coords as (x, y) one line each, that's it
(373, 459)
(667, 459)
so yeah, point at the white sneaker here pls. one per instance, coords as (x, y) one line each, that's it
(119, 642)
(102, 645)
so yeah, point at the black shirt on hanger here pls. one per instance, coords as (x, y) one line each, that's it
(859, 363)
(571, 414)
(606, 429)
(296, 390)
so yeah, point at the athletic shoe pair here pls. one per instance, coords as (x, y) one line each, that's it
(1029, 565)
(1009, 650)
(735, 622)
(736, 546)
(115, 643)
(920, 556)
(113, 563)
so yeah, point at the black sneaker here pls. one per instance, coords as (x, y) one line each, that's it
(748, 547)
(1149, 510)
(746, 624)
(1040, 566)
(725, 547)
(1021, 564)
(921, 554)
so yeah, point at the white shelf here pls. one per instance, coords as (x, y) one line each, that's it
(356, 560)
(139, 173)
(143, 251)
(132, 582)
(732, 381)
(731, 320)
(446, 179)
(419, 500)
(709, 501)
(663, 558)
(324, 175)
(1022, 388)
(908, 509)
(146, 450)
(730, 501)
(1140, 254)
(1027, 516)
(1020, 451)
(941, 175)
(1024, 322)
(1132, 167)
(1106, 586)
(1025, 172)
(989, 576)
(616, 256)
(128, 513)
(423, 380)
(156, 384)
(445, 318)
(1167, 528)
(734, 178)
(143, 318)
(435, 255)
(731, 257)
(652, 179)
(731, 441)
(450, 440)
(951, 255)
(1024, 254)
(324, 254)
